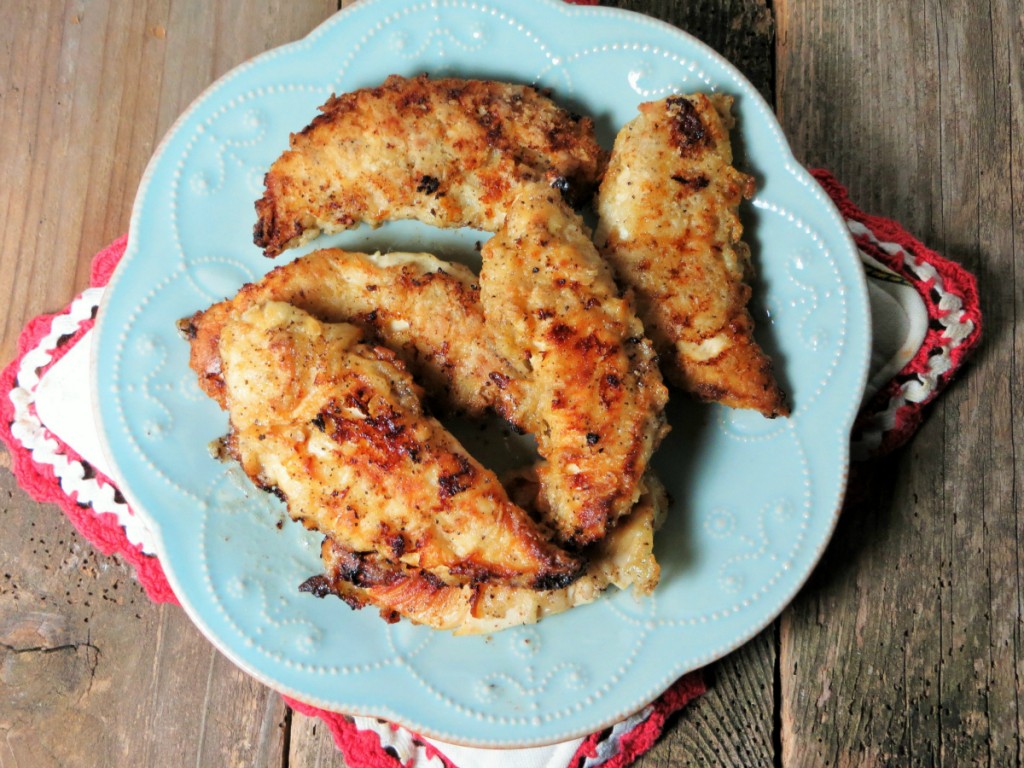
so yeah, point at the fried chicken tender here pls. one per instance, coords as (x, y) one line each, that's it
(336, 428)
(624, 559)
(594, 396)
(447, 152)
(425, 309)
(669, 226)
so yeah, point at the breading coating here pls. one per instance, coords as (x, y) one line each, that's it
(447, 152)
(337, 429)
(624, 559)
(669, 226)
(425, 309)
(594, 394)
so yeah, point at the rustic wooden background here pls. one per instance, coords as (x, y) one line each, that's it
(904, 648)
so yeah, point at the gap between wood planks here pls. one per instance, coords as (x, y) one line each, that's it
(777, 703)
(286, 738)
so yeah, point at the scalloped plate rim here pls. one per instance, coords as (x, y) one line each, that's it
(133, 248)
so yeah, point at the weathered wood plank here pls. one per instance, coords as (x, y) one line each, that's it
(89, 667)
(33, 102)
(87, 91)
(978, 679)
(1012, 611)
(312, 745)
(906, 647)
(732, 723)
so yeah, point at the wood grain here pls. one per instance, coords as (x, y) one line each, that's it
(312, 745)
(88, 666)
(87, 90)
(905, 649)
(730, 725)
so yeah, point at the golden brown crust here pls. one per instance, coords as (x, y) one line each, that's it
(624, 558)
(409, 302)
(669, 224)
(594, 395)
(337, 429)
(447, 152)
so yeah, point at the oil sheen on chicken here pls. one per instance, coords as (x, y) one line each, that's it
(594, 396)
(446, 152)
(336, 428)
(668, 224)
(426, 310)
(624, 558)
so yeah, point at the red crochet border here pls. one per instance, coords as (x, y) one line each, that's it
(955, 280)
(365, 746)
(41, 482)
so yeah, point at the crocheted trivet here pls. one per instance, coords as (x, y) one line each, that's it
(953, 329)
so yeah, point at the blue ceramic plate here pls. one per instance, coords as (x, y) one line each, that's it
(755, 500)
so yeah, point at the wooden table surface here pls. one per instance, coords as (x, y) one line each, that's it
(905, 646)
